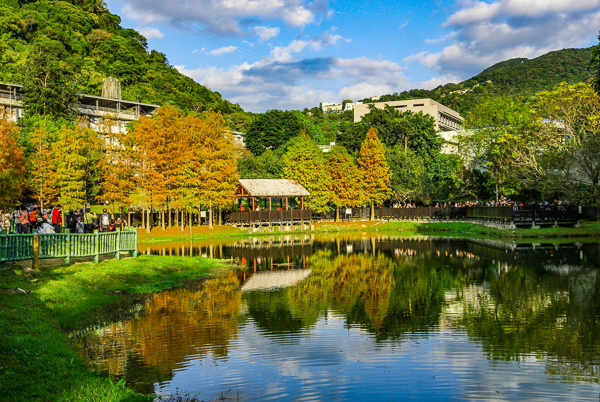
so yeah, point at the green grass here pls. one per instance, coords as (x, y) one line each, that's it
(37, 362)
(588, 229)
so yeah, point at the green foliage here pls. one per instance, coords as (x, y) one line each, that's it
(49, 80)
(304, 163)
(269, 165)
(272, 130)
(595, 64)
(409, 178)
(87, 42)
(502, 140)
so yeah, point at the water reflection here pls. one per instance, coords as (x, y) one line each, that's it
(320, 318)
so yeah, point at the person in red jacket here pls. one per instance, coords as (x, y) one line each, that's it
(57, 218)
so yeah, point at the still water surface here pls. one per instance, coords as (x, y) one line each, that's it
(372, 317)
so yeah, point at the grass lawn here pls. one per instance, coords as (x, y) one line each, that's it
(37, 362)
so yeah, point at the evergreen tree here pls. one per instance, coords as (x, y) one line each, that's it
(304, 163)
(374, 170)
(49, 80)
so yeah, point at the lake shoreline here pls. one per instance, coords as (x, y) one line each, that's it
(37, 360)
(588, 229)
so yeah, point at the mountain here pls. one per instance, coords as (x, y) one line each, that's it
(515, 77)
(93, 44)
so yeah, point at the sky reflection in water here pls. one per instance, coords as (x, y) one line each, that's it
(426, 319)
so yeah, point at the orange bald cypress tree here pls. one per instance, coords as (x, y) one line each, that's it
(12, 163)
(345, 179)
(118, 174)
(42, 173)
(375, 171)
(218, 171)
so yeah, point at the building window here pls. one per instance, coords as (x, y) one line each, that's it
(418, 104)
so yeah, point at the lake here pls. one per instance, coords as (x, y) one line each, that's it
(367, 317)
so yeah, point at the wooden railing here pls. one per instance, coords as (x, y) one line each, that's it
(17, 247)
(268, 216)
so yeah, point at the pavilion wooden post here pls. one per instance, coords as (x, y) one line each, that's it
(253, 204)
(269, 203)
(301, 202)
(286, 203)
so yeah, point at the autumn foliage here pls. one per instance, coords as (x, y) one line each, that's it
(12, 163)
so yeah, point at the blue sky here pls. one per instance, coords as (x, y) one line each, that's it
(292, 54)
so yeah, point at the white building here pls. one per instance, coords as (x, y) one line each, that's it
(96, 108)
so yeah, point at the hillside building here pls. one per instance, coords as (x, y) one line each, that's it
(332, 108)
(446, 119)
(94, 107)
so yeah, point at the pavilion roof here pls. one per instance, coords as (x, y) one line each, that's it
(270, 188)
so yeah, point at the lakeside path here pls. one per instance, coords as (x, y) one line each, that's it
(37, 362)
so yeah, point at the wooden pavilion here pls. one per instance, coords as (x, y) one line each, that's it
(269, 189)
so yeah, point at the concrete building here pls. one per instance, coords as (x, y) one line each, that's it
(328, 107)
(446, 119)
(94, 107)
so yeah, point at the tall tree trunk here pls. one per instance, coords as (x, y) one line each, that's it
(170, 216)
(148, 226)
(220, 216)
(143, 219)
(372, 211)
(191, 235)
(210, 215)
(162, 219)
(182, 220)
(337, 213)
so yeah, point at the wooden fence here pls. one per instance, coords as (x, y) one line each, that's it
(250, 217)
(17, 247)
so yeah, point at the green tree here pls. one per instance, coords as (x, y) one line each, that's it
(345, 179)
(409, 178)
(49, 80)
(304, 163)
(572, 138)
(374, 170)
(268, 165)
(502, 138)
(272, 130)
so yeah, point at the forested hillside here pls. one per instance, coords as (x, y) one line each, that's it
(90, 42)
(515, 77)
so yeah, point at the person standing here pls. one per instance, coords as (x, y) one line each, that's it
(104, 221)
(71, 221)
(89, 221)
(17, 218)
(5, 221)
(24, 218)
(57, 218)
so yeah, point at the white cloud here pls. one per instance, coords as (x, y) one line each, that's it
(151, 33)
(403, 25)
(285, 84)
(485, 33)
(225, 16)
(284, 53)
(266, 33)
(223, 50)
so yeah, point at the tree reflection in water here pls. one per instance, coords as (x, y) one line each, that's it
(518, 306)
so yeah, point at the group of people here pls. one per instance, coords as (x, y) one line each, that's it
(500, 203)
(28, 219)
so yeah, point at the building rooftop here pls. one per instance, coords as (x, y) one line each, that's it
(270, 188)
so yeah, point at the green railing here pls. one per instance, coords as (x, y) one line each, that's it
(17, 247)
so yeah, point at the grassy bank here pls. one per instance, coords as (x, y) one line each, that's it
(36, 360)
(589, 229)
